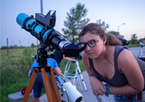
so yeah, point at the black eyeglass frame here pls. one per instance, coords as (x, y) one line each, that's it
(94, 42)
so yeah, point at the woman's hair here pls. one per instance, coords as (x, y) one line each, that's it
(98, 30)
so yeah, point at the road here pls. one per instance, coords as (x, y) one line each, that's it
(88, 95)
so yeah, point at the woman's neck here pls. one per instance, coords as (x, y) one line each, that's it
(102, 55)
(106, 54)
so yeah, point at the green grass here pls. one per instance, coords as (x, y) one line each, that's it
(135, 45)
(14, 70)
(12, 53)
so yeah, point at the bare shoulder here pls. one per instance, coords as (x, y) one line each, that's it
(127, 63)
(126, 55)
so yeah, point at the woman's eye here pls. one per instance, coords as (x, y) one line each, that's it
(91, 42)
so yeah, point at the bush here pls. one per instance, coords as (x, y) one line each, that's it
(14, 73)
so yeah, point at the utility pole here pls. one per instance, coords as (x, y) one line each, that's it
(41, 9)
(119, 26)
(41, 5)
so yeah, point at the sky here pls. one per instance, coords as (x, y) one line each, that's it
(113, 12)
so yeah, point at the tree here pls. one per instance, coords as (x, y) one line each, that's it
(75, 21)
(103, 24)
(116, 33)
(32, 45)
(133, 39)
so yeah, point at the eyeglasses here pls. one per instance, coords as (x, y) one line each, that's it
(92, 43)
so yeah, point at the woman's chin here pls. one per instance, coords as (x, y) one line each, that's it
(91, 57)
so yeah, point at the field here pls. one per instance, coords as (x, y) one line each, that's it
(14, 70)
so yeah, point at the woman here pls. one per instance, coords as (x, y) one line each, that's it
(106, 60)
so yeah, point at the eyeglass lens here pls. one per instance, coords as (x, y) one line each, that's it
(91, 43)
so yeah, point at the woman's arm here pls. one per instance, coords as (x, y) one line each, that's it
(86, 64)
(128, 65)
(97, 87)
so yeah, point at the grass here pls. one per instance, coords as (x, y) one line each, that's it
(14, 70)
(130, 45)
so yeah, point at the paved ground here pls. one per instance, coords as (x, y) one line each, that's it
(88, 96)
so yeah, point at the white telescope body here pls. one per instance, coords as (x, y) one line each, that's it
(73, 94)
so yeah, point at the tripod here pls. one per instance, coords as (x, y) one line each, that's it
(75, 74)
(141, 52)
(52, 95)
(140, 56)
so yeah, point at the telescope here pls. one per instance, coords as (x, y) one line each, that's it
(42, 26)
(123, 41)
(140, 43)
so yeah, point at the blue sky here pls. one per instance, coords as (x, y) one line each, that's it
(113, 12)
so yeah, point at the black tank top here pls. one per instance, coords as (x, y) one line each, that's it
(118, 79)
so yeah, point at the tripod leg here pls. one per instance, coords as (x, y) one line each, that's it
(29, 87)
(55, 88)
(81, 76)
(47, 86)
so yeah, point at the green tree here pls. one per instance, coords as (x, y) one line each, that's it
(133, 39)
(103, 24)
(75, 21)
(32, 45)
(116, 33)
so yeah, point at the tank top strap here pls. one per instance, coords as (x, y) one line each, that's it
(117, 51)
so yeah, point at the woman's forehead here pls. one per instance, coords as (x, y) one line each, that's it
(88, 36)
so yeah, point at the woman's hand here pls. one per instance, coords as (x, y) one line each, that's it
(97, 86)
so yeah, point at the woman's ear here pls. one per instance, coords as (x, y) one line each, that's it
(104, 38)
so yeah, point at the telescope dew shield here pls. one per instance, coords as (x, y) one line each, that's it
(28, 23)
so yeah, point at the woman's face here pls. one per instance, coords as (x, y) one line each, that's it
(93, 39)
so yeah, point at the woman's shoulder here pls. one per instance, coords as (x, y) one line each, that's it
(125, 57)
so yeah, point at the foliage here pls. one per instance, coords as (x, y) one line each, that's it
(116, 33)
(133, 39)
(142, 40)
(75, 21)
(32, 45)
(11, 47)
(103, 24)
(14, 71)
(132, 45)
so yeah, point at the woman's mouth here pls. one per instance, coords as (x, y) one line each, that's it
(89, 53)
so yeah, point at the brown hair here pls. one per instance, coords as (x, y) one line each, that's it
(98, 30)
